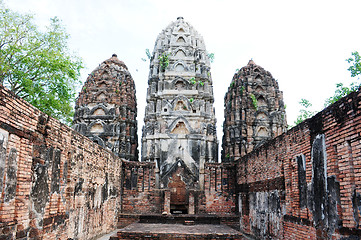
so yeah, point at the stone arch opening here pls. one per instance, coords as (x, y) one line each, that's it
(258, 78)
(259, 89)
(180, 106)
(101, 96)
(97, 128)
(181, 40)
(180, 54)
(180, 128)
(181, 30)
(179, 85)
(262, 132)
(261, 102)
(99, 112)
(179, 68)
(178, 195)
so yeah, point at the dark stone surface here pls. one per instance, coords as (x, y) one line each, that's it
(78, 187)
(11, 176)
(55, 172)
(2, 161)
(324, 191)
(302, 184)
(40, 190)
(356, 205)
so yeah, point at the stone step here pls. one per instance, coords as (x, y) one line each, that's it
(180, 219)
(177, 231)
(229, 220)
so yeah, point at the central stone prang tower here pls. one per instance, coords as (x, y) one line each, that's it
(179, 132)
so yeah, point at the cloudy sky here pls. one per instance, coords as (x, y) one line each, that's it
(303, 44)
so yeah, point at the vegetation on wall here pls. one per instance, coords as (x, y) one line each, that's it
(163, 61)
(38, 66)
(340, 91)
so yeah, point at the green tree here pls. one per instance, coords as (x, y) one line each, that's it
(305, 111)
(36, 65)
(355, 61)
(341, 90)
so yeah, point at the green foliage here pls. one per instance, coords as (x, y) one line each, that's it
(254, 101)
(211, 57)
(241, 90)
(163, 61)
(232, 84)
(341, 90)
(194, 81)
(355, 62)
(147, 53)
(304, 113)
(38, 66)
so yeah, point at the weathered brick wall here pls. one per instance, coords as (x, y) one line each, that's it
(139, 190)
(54, 182)
(219, 189)
(306, 183)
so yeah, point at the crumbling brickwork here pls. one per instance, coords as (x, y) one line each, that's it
(55, 183)
(139, 194)
(106, 109)
(306, 182)
(219, 189)
(254, 112)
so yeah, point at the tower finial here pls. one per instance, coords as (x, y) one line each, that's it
(251, 62)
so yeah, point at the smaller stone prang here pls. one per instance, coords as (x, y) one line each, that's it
(106, 109)
(254, 112)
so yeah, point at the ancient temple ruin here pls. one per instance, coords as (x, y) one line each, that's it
(254, 112)
(63, 183)
(179, 132)
(106, 109)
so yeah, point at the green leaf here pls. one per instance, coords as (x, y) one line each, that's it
(37, 65)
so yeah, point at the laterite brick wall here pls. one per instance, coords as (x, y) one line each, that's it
(306, 183)
(54, 182)
(219, 189)
(140, 195)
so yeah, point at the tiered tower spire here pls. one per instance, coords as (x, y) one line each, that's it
(106, 109)
(179, 132)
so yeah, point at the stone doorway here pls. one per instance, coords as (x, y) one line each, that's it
(178, 195)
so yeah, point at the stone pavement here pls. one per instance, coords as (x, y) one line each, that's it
(178, 231)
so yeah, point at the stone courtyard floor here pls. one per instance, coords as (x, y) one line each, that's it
(179, 231)
(178, 228)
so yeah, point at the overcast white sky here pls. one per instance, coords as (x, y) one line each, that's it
(303, 44)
